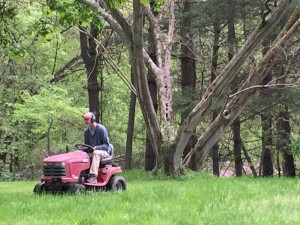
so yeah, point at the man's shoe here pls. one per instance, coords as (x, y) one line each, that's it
(92, 180)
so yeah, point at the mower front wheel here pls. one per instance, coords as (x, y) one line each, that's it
(77, 189)
(117, 184)
(39, 188)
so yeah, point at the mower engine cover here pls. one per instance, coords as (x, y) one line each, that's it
(65, 167)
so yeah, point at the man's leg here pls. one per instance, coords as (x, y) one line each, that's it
(97, 156)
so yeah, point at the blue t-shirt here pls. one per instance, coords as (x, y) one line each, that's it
(98, 138)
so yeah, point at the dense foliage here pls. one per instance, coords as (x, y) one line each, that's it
(42, 97)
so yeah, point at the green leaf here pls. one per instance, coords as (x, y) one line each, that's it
(145, 2)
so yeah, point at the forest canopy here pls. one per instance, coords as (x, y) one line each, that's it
(205, 85)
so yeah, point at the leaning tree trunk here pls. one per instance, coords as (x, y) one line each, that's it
(90, 57)
(239, 100)
(220, 84)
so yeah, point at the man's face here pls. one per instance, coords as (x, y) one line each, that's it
(87, 120)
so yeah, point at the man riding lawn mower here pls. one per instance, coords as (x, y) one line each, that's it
(88, 167)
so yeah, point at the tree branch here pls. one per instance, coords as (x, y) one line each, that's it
(59, 74)
(264, 86)
(110, 61)
(112, 22)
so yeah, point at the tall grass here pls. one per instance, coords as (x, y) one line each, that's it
(159, 200)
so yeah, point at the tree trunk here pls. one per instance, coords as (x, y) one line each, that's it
(247, 156)
(142, 86)
(188, 68)
(149, 152)
(213, 75)
(236, 126)
(266, 117)
(283, 126)
(130, 128)
(283, 142)
(267, 162)
(237, 146)
(90, 57)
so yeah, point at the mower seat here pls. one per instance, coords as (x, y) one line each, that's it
(108, 159)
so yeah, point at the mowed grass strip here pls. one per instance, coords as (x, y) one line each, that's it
(159, 200)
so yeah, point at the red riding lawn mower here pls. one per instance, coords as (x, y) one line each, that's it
(68, 172)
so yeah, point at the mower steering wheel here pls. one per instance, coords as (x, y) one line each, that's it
(84, 147)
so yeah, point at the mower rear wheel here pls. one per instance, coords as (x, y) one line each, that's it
(117, 184)
(77, 189)
(39, 188)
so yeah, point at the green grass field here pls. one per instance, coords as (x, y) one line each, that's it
(159, 200)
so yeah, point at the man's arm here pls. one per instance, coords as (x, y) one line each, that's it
(103, 139)
(85, 138)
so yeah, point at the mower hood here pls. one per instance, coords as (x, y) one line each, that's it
(70, 157)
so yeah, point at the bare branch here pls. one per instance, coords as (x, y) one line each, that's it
(110, 61)
(59, 74)
(112, 22)
(264, 86)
